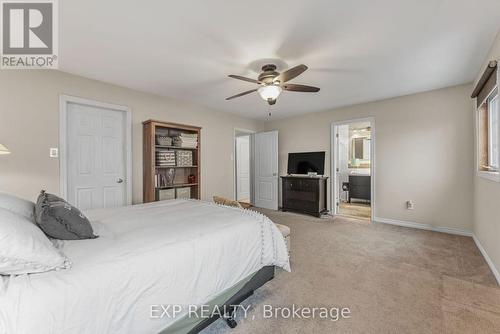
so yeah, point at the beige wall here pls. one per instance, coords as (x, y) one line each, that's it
(424, 143)
(487, 196)
(424, 152)
(29, 116)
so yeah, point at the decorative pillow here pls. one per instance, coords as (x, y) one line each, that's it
(227, 202)
(17, 205)
(24, 249)
(60, 220)
(52, 197)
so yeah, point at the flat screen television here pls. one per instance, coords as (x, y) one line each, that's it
(307, 162)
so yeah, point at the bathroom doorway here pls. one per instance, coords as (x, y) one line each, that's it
(353, 156)
(243, 166)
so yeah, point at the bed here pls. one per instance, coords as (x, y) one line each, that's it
(178, 252)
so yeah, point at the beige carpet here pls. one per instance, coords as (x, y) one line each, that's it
(393, 279)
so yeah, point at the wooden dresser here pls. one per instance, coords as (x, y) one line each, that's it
(304, 194)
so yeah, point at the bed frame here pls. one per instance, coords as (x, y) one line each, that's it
(259, 279)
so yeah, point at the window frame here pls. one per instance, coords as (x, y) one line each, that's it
(496, 164)
(493, 175)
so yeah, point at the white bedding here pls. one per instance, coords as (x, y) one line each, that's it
(172, 252)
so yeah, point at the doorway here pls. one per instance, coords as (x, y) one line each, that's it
(256, 168)
(95, 153)
(353, 161)
(243, 167)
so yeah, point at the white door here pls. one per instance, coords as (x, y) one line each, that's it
(266, 169)
(339, 149)
(95, 157)
(243, 168)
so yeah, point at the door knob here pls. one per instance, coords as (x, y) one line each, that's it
(120, 180)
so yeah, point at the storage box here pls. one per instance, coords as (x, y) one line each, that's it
(165, 158)
(163, 140)
(166, 194)
(184, 192)
(184, 158)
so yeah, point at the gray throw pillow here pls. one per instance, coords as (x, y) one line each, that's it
(60, 220)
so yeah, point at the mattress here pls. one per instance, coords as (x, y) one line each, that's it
(177, 252)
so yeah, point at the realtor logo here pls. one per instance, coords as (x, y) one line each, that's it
(29, 34)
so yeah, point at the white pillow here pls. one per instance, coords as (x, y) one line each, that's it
(24, 248)
(17, 205)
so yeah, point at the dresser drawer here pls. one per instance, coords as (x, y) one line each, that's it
(300, 184)
(292, 184)
(309, 185)
(301, 205)
(299, 195)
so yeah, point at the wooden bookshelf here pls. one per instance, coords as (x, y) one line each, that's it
(152, 128)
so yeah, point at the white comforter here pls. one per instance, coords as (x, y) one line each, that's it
(173, 252)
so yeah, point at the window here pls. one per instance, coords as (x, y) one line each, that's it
(487, 123)
(493, 133)
(488, 134)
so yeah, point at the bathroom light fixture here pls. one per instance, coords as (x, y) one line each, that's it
(4, 150)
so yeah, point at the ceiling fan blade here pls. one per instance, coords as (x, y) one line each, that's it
(300, 88)
(241, 94)
(239, 77)
(291, 73)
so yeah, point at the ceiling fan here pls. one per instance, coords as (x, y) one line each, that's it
(272, 83)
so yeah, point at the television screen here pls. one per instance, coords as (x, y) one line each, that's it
(308, 162)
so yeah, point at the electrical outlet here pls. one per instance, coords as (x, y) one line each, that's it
(54, 152)
(410, 205)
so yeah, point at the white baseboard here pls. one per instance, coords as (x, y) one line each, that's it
(449, 230)
(487, 258)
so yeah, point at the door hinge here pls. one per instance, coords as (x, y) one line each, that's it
(337, 203)
(337, 135)
(337, 169)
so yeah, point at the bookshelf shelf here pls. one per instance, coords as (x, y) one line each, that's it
(176, 147)
(178, 185)
(183, 174)
(163, 167)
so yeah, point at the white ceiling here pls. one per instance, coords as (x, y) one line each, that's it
(357, 50)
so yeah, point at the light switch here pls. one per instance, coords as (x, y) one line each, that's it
(54, 152)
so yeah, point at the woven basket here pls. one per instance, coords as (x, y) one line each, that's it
(164, 140)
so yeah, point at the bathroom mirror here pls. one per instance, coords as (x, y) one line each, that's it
(360, 148)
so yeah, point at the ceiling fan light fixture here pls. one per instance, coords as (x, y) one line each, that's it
(272, 83)
(269, 92)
